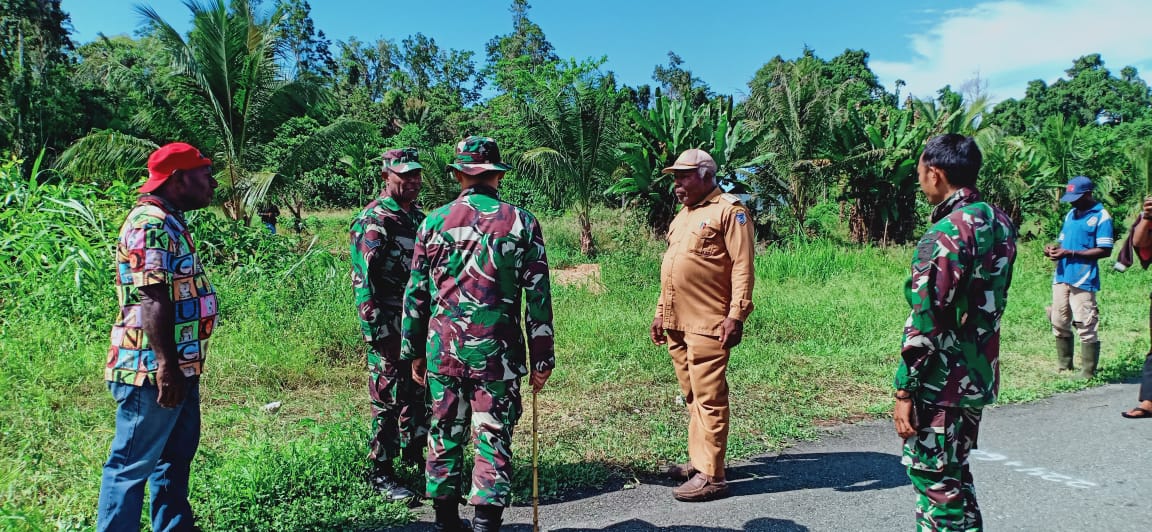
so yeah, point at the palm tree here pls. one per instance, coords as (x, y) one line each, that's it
(794, 111)
(229, 64)
(230, 95)
(1140, 155)
(574, 124)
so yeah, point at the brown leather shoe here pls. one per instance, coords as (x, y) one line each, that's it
(683, 471)
(701, 488)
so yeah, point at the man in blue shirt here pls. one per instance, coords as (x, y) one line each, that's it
(1085, 238)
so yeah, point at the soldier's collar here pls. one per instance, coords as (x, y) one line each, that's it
(389, 203)
(481, 189)
(710, 198)
(958, 199)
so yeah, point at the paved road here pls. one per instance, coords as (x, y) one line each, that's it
(1069, 463)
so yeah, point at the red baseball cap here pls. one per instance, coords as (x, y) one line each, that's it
(169, 158)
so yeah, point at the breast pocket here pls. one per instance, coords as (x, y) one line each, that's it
(706, 242)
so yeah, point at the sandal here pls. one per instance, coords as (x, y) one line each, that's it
(1137, 413)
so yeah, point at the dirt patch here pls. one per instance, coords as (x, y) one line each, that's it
(586, 275)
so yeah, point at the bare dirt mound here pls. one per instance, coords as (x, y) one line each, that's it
(586, 275)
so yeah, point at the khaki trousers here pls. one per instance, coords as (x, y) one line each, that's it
(701, 364)
(1074, 307)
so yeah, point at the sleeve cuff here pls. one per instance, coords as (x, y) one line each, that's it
(740, 310)
(546, 364)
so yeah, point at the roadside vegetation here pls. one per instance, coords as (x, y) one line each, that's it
(822, 152)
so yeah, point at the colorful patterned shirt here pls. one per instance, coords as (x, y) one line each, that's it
(473, 259)
(382, 236)
(155, 248)
(958, 291)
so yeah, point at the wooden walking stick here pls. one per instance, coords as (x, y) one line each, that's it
(535, 469)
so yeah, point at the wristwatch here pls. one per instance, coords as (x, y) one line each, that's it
(902, 397)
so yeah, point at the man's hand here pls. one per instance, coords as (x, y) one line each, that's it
(1148, 208)
(1056, 252)
(731, 332)
(538, 379)
(420, 371)
(657, 332)
(170, 384)
(903, 417)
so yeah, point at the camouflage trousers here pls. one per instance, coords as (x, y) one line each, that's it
(937, 461)
(484, 412)
(399, 407)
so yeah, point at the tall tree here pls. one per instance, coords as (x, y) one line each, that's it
(39, 105)
(1088, 90)
(679, 83)
(307, 49)
(523, 49)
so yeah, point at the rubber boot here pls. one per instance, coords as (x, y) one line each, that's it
(448, 517)
(487, 518)
(1064, 348)
(1089, 358)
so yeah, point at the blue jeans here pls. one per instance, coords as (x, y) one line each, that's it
(271, 227)
(154, 445)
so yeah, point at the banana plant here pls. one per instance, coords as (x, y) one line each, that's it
(877, 174)
(667, 129)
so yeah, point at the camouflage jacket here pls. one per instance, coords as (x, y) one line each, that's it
(473, 259)
(382, 238)
(958, 291)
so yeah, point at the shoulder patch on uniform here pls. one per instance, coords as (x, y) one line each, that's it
(741, 217)
(730, 198)
(925, 253)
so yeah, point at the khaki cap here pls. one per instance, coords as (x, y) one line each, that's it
(691, 160)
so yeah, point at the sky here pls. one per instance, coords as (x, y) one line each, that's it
(928, 44)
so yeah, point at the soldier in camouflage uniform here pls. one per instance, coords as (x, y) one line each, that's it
(383, 236)
(475, 259)
(950, 368)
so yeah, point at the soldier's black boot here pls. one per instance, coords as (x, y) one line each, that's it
(1089, 359)
(1064, 347)
(488, 518)
(383, 478)
(448, 516)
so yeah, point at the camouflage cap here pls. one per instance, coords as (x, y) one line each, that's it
(691, 160)
(476, 155)
(401, 161)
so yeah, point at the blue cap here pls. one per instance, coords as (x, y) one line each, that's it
(1077, 187)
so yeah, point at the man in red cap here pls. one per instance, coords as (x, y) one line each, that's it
(158, 344)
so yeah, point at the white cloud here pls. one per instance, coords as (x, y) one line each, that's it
(1009, 43)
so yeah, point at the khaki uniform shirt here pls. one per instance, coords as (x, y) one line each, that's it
(707, 272)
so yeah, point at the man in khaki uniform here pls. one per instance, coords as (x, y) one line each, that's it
(705, 296)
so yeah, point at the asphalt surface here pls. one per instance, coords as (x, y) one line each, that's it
(1068, 463)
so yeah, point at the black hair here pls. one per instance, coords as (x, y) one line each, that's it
(957, 156)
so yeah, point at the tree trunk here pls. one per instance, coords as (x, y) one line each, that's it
(587, 245)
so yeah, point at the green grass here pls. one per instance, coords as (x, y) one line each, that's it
(820, 347)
